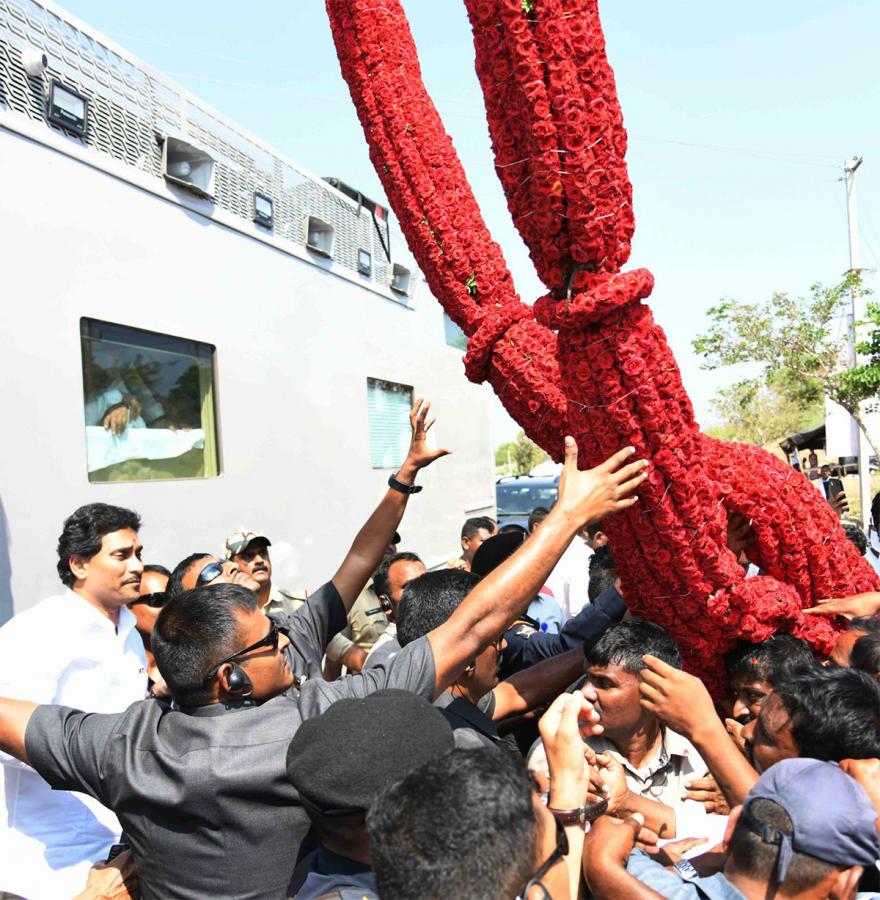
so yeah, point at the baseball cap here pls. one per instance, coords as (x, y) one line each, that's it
(494, 550)
(339, 761)
(832, 817)
(240, 538)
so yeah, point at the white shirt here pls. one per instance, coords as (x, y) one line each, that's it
(62, 651)
(570, 579)
(662, 777)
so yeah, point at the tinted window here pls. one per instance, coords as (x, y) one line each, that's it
(149, 404)
(521, 497)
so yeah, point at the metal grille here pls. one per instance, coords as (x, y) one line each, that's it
(131, 108)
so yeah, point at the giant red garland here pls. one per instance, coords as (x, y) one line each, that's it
(589, 360)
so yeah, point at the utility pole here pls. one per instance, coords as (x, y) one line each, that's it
(850, 166)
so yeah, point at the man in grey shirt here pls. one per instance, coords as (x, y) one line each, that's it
(200, 785)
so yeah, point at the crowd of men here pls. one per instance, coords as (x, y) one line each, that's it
(499, 727)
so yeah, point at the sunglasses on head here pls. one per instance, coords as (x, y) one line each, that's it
(209, 573)
(156, 600)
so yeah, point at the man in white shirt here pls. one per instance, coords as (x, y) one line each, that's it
(79, 648)
(645, 766)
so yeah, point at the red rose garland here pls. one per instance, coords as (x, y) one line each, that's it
(609, 377)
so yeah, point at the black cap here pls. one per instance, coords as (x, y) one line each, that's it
(493, 551)
(339, 761)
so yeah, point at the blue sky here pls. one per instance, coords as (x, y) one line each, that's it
(740, 116)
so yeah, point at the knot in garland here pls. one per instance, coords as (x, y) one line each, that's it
(604, 295)
(493, 324)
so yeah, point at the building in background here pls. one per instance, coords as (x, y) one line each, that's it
(201, 330)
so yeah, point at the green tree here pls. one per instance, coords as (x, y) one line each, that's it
(759, 414)
(796, 341)
(518, 457)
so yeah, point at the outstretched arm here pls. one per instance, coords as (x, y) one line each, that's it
(584, 497)
(14, 718)
(376, 534)
(539, 684)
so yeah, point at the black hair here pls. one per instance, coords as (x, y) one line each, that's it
(473, 525)
(603, 572)
(83, 532)
(870, 624)
(482, 846)
(594, 528)
(194, 631)
(175, 579)
(161, 570)
(627, 642)
(773, 660)
(856, 534)
(865, 654)
(513, 528)
(756, 858)
(380, 576)
(429, 600)
(537, 515)
(875, 511)
(835, 713)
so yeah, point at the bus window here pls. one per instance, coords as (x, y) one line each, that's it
(149, 404)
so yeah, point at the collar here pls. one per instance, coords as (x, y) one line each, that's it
(329, 862)
(472, 715)
(215, 709)
(672, 744)
(97, 620)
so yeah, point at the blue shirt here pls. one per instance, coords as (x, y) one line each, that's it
(674, 887)
(587, 626)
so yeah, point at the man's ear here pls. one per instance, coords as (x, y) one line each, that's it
(735, 813)
(845, 884)
(79, 566)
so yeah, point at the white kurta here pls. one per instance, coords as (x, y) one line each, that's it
(61, 651)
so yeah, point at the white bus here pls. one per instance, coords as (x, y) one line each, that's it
(259, 331)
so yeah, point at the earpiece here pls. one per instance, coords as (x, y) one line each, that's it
(239, 683)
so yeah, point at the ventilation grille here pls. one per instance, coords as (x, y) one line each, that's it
(130, 107)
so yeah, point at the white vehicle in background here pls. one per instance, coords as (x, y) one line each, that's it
(200, 329)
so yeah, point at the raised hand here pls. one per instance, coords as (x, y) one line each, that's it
(420, 455)
(589, 496)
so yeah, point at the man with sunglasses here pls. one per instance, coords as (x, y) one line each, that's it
(146, 608)
(200, 784)
(78, 648)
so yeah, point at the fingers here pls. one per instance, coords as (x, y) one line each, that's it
(699, 796)
(647, 838)
(571, 452)
(613, 463)
(701, 784)
(828, 608)
(652, 665)
(631, 471)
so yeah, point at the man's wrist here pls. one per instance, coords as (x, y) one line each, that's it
(566, 791)
(406, 474)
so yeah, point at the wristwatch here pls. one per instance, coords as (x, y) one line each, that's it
(580, 815)
(403, 488)
(685, 868)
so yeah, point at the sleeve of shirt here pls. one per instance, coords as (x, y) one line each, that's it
(311, 627)
(67, 747)
(654, 876)
(412, 669)
(586, 627)
(24, 674)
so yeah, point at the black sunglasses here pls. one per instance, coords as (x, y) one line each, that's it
(270, 640)
(157, 599)
(209, 573)
(559, 852)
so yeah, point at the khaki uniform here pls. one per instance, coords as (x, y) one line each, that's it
(282, 602)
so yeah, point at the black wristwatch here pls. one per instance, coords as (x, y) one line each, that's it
(396, 485)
